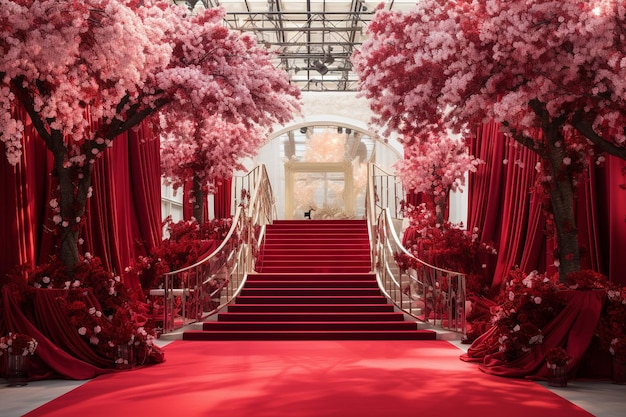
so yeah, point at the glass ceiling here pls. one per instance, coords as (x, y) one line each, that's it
(312, 39)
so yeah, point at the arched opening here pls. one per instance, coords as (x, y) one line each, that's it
(321, 164)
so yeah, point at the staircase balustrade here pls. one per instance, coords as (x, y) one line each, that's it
(422, 290)
(197, 291)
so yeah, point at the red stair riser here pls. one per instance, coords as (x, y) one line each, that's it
(311, 300)
(310, 308)
(306, 325)
(298, 277)
(311, 284)
(312, 317)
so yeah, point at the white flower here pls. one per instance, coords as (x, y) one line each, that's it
(537, 300)
(97, 329)
(516, 328)
(82, 331)
(567, 160)
(94, 340)
(511, 296)
(45, 280)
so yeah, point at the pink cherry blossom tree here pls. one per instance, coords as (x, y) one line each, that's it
(122, 63)
(553, 73)
(209, 150)
(435, 167)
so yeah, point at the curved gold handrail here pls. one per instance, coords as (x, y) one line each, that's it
(200, 290)
(424, 291)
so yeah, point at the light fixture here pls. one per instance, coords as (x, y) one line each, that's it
(303, 129)
(320, 67)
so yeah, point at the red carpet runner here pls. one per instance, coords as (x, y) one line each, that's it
(313, 282)
(341, 378)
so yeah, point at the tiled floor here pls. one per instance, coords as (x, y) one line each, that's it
(602, 399)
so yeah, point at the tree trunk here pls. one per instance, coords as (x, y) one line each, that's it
(74, 188)
(441, 206)
(562, 197)
(199, 197)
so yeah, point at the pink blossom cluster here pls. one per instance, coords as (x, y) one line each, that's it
(455, 64)
(436, 166)
(110, 64)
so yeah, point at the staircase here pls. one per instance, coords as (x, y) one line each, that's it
(313, 282)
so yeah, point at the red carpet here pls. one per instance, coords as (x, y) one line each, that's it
(312, 282)
(309, 379)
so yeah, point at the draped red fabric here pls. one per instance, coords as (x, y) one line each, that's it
(573, 329)
(611, 214)
(223, 196)
(124, 213)
(61, 353)
(22, 228)
(502, 205)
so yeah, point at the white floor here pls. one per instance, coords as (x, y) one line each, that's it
(602, 399)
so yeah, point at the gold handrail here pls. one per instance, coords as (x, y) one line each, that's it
(424, 291)
(200, 290)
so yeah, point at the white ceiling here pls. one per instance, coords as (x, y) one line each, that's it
(313, 39)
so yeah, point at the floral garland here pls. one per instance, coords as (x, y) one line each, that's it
(18, 344)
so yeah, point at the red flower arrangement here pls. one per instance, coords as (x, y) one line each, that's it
(92, 316)
(612, 326)
(527, 304)
(187, 241)
(448, 246)
(557, 357)
(18, 344)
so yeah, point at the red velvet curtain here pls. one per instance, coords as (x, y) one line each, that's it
(503, 206)
(123, 217)
(610, 238)
(221, 200)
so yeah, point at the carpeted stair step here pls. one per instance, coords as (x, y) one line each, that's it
(292, 276)
(310, 308)
(312, 284)
(347, 269)
(275, 261)
(307, 325)
(310, 316)
(309, 292)
(311, 300)
(311, 335)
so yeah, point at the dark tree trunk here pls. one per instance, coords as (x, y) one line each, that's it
(74, 186)
(200, 198)
(441, 206)
(562, 198)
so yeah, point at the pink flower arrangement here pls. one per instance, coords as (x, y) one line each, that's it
(557, 357)
(18, 344)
